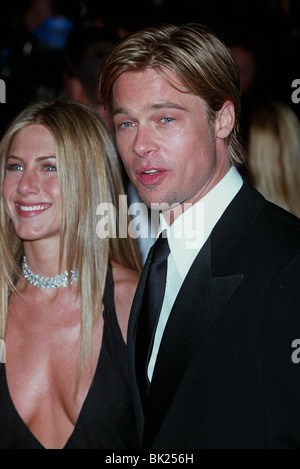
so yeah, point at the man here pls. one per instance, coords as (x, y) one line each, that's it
(221, 367)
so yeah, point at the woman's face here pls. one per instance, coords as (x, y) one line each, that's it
(31, 190)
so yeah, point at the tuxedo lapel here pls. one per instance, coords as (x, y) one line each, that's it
(209, 285)
(185, 332)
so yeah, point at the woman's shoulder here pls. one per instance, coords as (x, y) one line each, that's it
(125, 283)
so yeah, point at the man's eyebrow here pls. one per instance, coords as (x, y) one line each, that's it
(120, 110)
(151, 107)
(167, 105)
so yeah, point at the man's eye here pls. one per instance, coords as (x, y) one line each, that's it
(167, 120)
(126, 125)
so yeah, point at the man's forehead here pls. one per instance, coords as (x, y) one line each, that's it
(153, 106)
(162, 74)
(157, 88)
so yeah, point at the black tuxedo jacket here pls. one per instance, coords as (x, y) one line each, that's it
(225, 376)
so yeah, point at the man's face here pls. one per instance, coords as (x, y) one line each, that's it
(170, 150)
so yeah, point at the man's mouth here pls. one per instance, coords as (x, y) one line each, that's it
(151, 176)
(151, 171)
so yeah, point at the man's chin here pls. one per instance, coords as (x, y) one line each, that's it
(156, 202)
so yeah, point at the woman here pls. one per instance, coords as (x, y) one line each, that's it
(64, 384)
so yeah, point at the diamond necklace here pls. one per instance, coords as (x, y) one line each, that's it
(61, 280)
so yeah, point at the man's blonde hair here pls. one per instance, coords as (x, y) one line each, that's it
(201, 61)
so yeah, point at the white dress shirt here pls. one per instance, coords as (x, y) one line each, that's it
(186, 236)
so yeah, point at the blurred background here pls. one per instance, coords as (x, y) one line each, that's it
(51, 48)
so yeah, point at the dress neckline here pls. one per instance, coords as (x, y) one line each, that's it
(108, 307)
(77, 423)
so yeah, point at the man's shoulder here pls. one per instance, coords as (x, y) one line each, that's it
(280, 224)
(274, 232)
(255, 231)
(281, 215)
(271, 217)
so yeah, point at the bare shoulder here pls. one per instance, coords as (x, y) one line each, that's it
(125, 281)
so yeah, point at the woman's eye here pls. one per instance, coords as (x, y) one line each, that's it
(14, 167)
(49, 167)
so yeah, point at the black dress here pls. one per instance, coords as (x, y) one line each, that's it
(106, 420)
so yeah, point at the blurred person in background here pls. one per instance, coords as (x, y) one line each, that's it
(32, 69)
(86, 48)
(274, 154)
(50, 21)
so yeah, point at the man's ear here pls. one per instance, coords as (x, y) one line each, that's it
(225, 119)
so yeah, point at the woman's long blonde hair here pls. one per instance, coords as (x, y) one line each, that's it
(274, 154)
(89, 173)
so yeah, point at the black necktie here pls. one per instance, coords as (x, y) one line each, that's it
(150, 311)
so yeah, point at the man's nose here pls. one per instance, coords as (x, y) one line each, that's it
(145, 142)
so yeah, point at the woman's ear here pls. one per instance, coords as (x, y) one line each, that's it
(225, 119)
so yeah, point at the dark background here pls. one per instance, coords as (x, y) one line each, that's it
(268, 29)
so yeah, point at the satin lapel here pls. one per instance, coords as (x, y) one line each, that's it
(193, 314)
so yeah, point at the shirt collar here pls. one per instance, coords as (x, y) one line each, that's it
(190, 230)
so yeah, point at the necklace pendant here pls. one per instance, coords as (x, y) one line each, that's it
(61, 280)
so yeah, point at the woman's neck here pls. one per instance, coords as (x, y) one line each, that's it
(42, 257)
